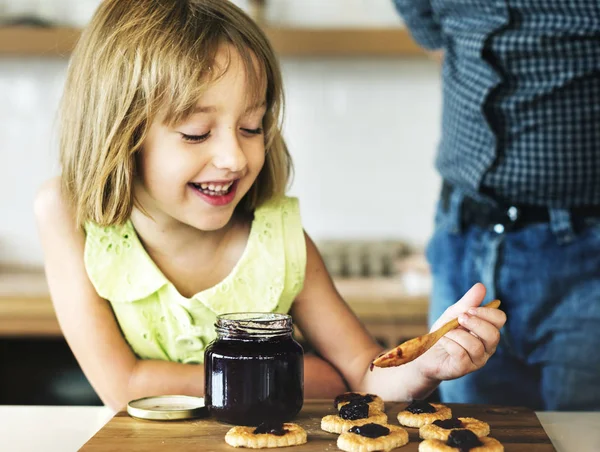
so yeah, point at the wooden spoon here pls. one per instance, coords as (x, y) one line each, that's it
(413, 348)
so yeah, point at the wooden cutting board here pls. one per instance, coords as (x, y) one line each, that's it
(518, 429)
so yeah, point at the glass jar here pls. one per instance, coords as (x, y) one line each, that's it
(254, 369)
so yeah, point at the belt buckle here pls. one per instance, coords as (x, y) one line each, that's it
(510, 220)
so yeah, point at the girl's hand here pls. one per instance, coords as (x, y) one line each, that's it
(468, 347)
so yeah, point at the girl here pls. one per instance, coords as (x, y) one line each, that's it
(170, 210)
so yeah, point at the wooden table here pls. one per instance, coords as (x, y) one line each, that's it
(68, 428)
(518, 429)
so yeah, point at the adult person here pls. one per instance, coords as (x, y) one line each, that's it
(520, 203)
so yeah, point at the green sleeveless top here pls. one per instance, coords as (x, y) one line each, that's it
(160, 323)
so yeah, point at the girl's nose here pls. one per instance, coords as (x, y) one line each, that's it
(229, 155)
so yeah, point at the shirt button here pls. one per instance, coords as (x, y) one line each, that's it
(499, 228)
(513, 213)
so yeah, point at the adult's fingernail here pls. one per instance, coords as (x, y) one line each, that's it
(472, 311)
(463, 318)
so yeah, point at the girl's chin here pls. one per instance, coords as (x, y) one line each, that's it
(213, 221)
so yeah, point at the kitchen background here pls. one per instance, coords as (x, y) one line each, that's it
(362, 127)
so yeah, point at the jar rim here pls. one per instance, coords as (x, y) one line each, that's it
(253, 324)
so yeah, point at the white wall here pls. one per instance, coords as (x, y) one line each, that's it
(362, 133)
(29, 94)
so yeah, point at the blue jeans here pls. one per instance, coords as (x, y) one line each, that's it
(547, 276)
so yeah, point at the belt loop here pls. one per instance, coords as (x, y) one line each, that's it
(561, 225)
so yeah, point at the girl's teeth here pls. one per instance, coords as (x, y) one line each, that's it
(215, 188)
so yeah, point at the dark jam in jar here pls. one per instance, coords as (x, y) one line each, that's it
(254, 370)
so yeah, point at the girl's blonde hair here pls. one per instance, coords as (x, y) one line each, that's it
(139, 57)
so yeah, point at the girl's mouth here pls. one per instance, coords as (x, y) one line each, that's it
(214, 189)
(216, 193)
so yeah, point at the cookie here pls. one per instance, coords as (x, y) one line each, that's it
(347, 397)
(372, 436)
(266, 435)
(441, 429)
(461, 440)
(350, 415)
(420, 413)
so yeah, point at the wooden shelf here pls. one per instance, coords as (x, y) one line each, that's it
(34, 41)
(343, 42)
(382, 304)
(292, 42)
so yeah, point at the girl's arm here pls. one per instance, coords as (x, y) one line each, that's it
(330, 326)
(93, 334)
(321, 379)
(87, 320)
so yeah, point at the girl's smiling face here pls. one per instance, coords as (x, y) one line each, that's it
(196, 172)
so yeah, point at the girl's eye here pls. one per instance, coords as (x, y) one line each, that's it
(258, 131)
(195, 138)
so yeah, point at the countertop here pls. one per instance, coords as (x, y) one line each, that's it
(26, 309)
(64, 429)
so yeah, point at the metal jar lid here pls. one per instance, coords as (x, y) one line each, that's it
(167, 408)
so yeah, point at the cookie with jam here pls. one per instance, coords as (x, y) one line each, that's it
(350, 415)
(372, 436)
(347, 397)
(462, 440)
(441, 429)
(420, 413)
(266, 435)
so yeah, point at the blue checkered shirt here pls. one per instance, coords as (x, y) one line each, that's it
(521, 96)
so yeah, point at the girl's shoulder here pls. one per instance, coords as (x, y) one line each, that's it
(285, 206)
(279, 218)
(117, 263)
(51, 208)
(280, 203)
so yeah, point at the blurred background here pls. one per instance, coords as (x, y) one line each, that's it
(361, 122)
